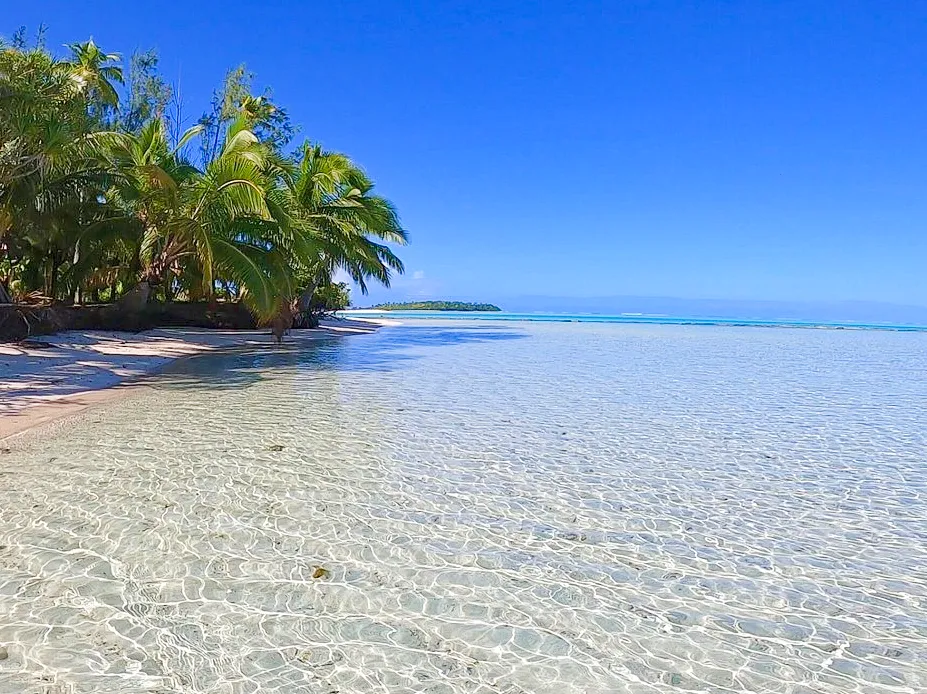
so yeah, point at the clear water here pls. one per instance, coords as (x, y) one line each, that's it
(632, 318)
(472, 507)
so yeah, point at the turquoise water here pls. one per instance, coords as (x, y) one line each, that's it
(462, 506)
(632, 318)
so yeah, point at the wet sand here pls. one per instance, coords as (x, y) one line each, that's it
(54, 376)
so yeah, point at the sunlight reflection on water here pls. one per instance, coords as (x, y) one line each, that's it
(484, 508)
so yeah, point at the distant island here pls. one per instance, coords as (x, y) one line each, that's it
(437, 306)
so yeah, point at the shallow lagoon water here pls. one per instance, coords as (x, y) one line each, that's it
(473, 507)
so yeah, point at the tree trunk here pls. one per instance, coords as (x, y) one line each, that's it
(5, 297)
(304, 302)
(77, 296)
(303, 308)
(168, 286)
(53, 276)
(136, 300)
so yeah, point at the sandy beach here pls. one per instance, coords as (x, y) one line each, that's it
(52, 376)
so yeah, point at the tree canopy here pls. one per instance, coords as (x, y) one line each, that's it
(105, 195)
(437, 306)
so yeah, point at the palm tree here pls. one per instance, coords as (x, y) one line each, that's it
(229, 229)
(87, 209)
(148, 195)
(94, 73)
(49, 174)
(39, 118)
(347, 225)
(197, 228)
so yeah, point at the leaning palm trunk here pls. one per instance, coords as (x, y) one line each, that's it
(282, 321)
(302, 315)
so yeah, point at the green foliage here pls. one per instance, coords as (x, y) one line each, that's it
(95, 74)
(437, 306)
(332, 297)
(49, 172)
(234, 99)
(98, 197)
(148, 93)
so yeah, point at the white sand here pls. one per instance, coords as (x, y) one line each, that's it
(56, 375)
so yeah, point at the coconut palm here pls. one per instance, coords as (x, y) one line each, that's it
(198, 227)
(40, 118)
(228, 227)
(148, 196)
(347, 226)
(89, 207)
(49, 174)
(95, 73)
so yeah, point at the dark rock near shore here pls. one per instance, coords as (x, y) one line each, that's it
(20, 321)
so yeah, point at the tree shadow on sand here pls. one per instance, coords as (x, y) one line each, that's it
(385, 351)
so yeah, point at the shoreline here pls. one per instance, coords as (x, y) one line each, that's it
(52, 377)
(626, 319)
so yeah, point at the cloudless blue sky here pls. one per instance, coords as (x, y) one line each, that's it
(721, 150)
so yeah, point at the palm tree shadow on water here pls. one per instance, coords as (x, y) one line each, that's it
(384, 351)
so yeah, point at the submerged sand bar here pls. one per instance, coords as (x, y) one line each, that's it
(53, 376)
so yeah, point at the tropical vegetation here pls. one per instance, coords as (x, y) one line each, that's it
(437, 306)
(108, 194)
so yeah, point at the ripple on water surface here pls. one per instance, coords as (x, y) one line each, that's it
(470, 508)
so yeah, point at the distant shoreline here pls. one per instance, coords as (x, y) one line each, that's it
(457, 306)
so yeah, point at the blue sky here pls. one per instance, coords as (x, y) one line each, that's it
(743, 151)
